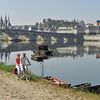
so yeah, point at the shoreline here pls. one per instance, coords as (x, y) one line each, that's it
(12, 89)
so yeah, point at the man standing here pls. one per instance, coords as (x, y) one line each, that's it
(24, 61)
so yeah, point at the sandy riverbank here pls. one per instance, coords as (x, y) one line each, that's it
(12, 89)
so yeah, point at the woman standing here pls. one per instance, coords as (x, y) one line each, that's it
(18, 66)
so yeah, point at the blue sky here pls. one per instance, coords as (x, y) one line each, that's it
(31, 11)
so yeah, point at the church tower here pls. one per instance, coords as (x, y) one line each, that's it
(5, 22)
(8, 23)
(1, 23)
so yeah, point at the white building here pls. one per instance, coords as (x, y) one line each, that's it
(90, 29)
(71, 30)
(98, 29)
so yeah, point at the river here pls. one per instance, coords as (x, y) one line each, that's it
(76, 63)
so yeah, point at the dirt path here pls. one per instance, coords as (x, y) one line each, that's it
(12, 89)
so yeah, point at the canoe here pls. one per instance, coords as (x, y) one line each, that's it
(58, 82)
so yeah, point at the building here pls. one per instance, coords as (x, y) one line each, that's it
(71, 30)
(5, 23)
(90, 29)
(65, 30)
(98, 22)
(98, 26)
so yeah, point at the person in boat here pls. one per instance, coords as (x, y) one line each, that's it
(24, 61)
(18, 66)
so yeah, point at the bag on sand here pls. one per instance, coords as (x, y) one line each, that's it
(15, 70)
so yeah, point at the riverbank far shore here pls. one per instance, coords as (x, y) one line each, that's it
(12, 89)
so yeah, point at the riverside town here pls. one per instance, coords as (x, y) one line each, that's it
(59, 57)
(87, 31)
(49, 50)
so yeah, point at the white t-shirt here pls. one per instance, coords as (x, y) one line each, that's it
(23, 60)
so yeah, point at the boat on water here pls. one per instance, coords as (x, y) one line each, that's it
(97, 56)
(40, 53)
(38, 57)
(43, 49)
(58, 82)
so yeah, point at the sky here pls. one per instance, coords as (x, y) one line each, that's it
(28, 12)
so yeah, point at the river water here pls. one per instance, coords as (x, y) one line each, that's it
(76, 63)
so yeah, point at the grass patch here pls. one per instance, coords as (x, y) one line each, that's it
(7, 68)
(35, 77)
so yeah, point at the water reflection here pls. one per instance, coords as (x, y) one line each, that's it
(75, 62)
(60, 50)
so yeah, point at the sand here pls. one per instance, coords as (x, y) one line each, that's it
(13, 89)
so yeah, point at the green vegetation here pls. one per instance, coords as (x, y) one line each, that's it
(35, 77)
(7, 68)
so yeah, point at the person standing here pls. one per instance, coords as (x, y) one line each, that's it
(24, 62)
(18, 66)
